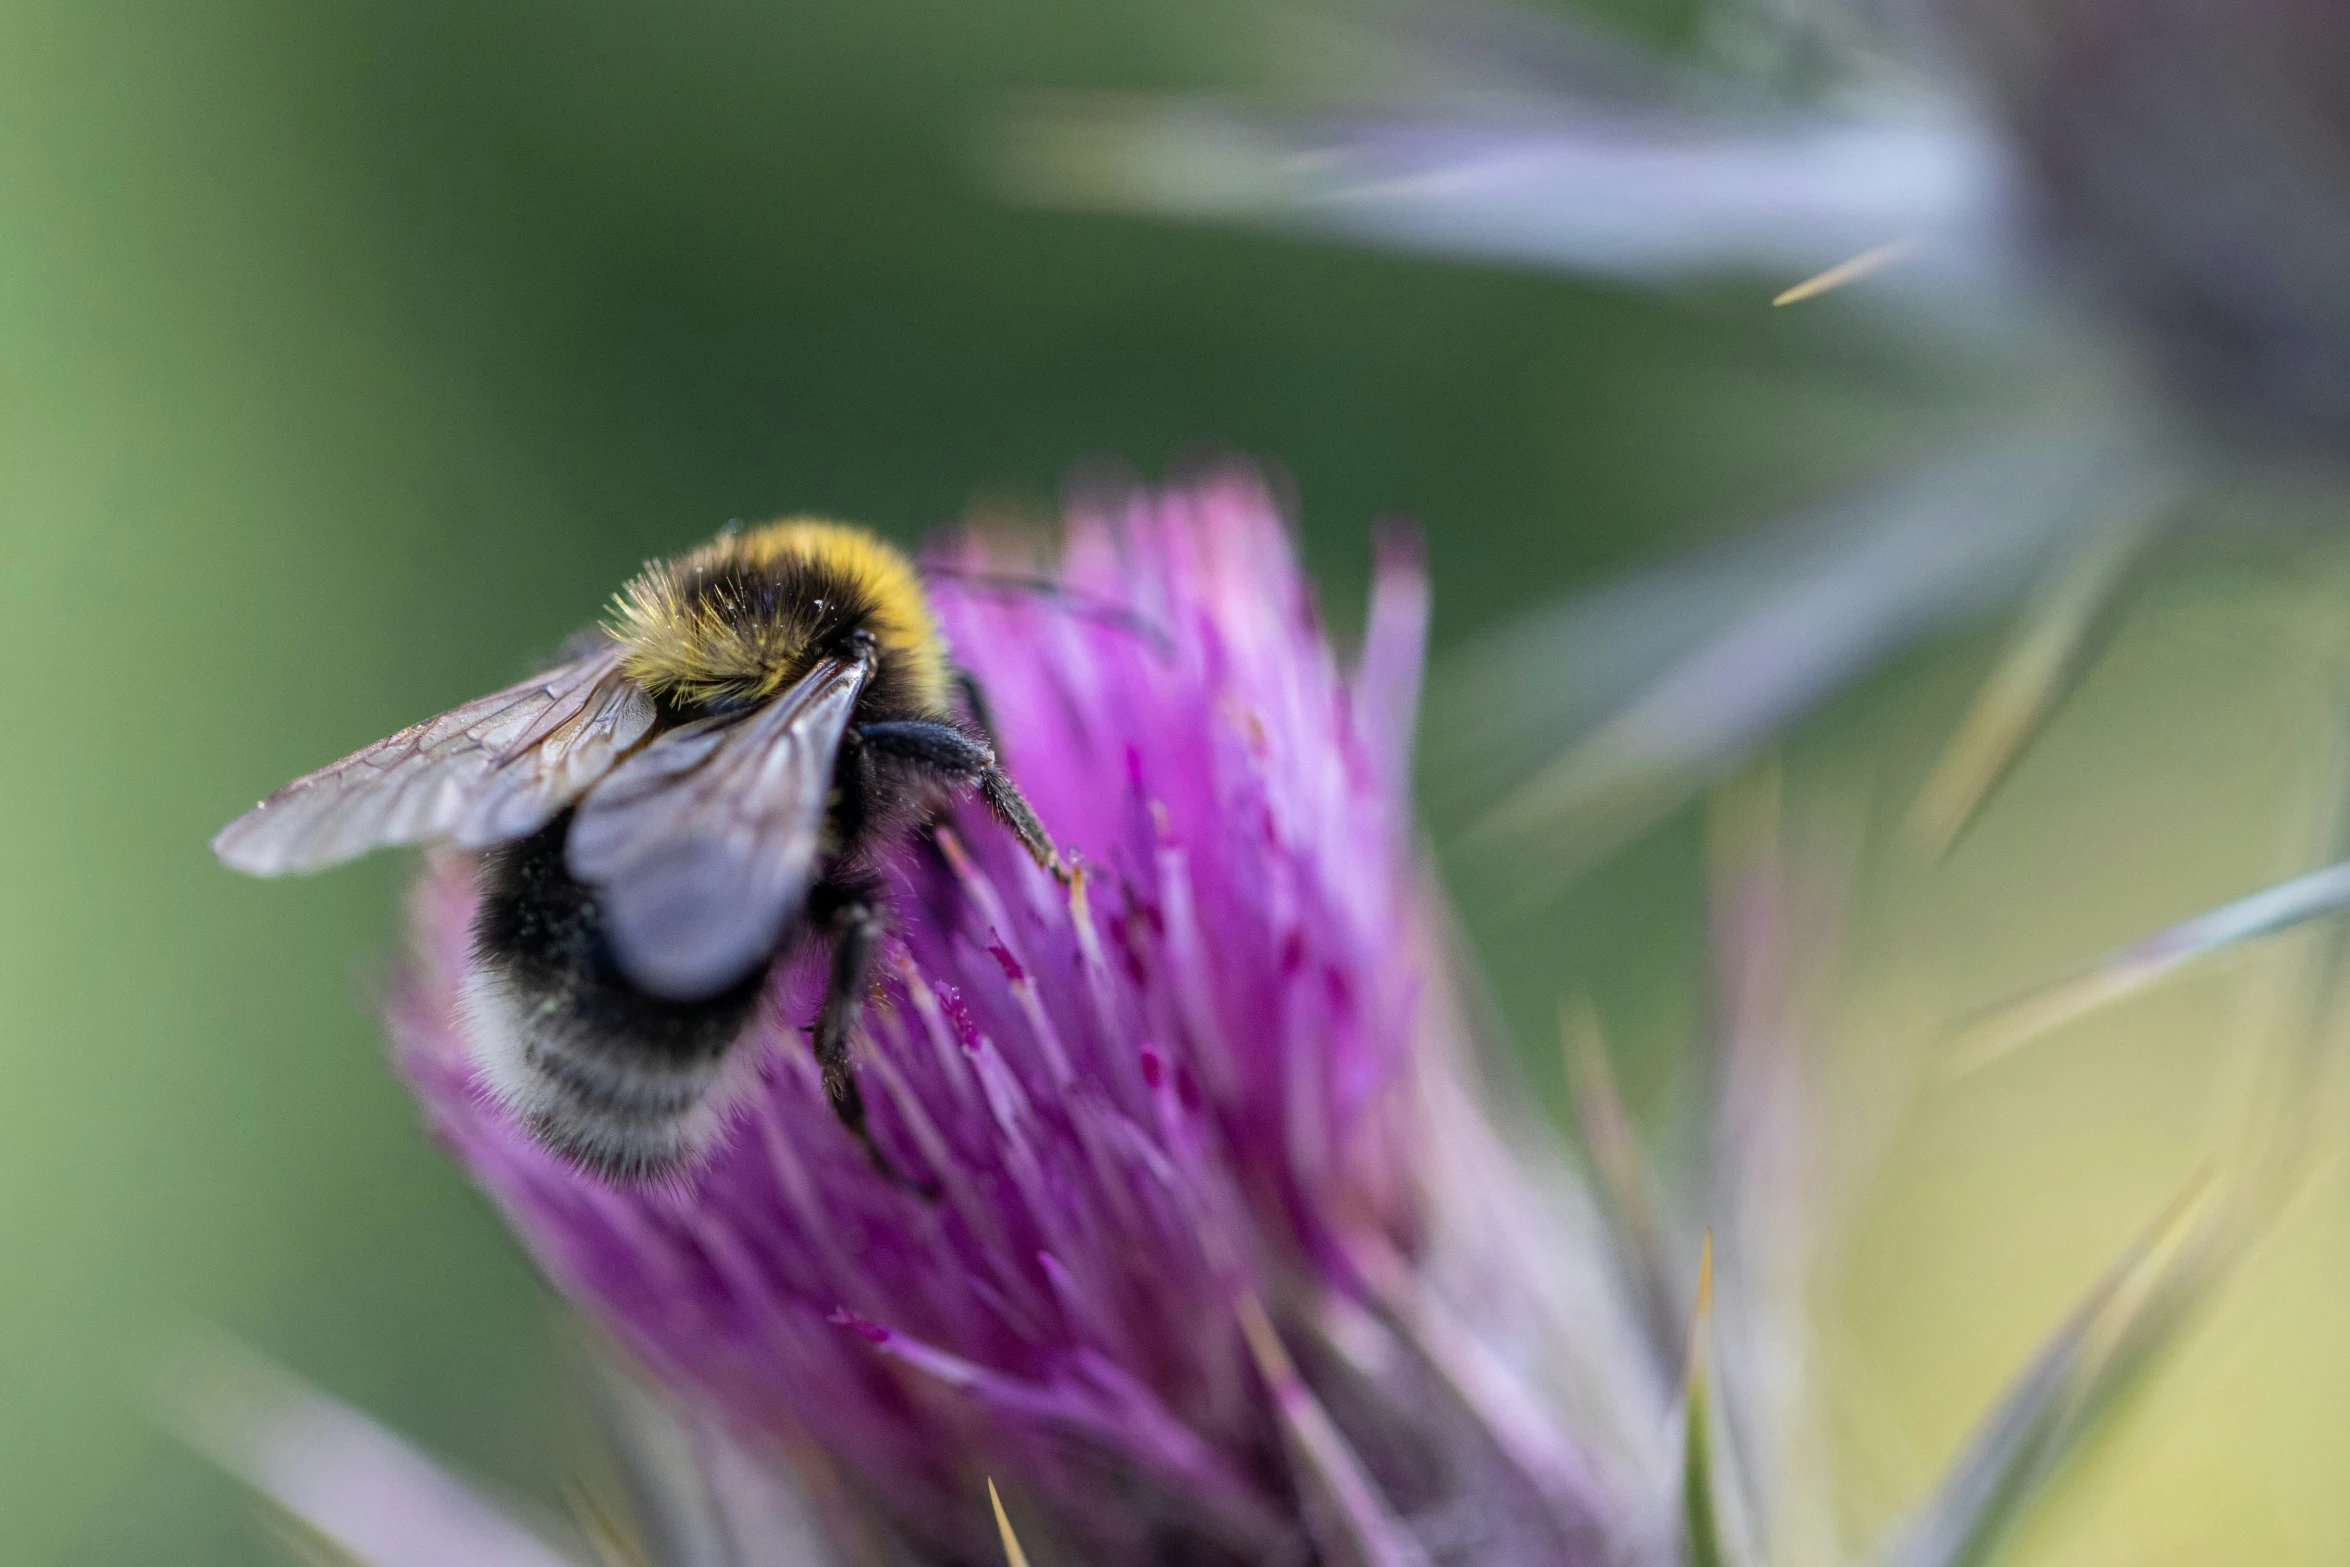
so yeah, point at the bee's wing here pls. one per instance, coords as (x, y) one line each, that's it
(496, 768)
(701, 846)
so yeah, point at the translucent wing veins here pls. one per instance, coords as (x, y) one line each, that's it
(497, 768)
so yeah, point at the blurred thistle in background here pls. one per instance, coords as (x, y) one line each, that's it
(2132, 219)
(1231, 1259)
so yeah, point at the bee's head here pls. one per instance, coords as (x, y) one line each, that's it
(747, 614)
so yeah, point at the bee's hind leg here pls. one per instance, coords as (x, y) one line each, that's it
(949, 754)
(853, 917)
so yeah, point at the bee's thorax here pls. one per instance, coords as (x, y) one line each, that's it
(743, 617)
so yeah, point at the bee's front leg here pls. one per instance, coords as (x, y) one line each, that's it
(952, 756)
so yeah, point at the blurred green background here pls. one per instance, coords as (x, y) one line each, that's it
(350, 355)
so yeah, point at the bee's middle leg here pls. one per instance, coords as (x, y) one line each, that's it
(976, 704)
(851, 914)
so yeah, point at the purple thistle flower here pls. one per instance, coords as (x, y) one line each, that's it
(1158, 1111)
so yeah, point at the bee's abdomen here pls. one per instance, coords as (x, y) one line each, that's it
(621, 1082)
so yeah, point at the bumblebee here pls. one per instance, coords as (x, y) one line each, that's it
(703, 787)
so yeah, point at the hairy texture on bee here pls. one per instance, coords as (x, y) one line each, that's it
(741, 618)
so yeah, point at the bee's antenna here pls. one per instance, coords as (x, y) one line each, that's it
(1089, 605)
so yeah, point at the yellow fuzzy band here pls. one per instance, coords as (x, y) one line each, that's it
(745, 615)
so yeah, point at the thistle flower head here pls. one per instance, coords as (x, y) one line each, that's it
(1159, 1111)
